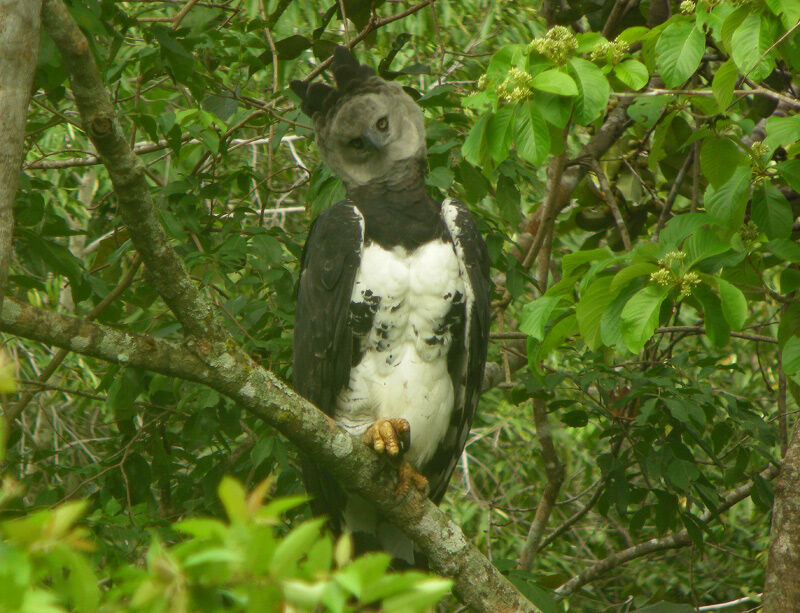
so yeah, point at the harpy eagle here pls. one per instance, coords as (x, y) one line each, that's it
(392, 318)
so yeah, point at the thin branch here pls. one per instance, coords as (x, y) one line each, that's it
(759, 338)
(371, 26)
(554, 470)
(672, 541)
(176, 21)
(58, 358)
(673, 194)
(611, 201)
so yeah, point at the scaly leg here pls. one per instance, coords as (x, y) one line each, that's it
(407, 476)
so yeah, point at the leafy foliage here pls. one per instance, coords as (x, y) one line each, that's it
(658, 321)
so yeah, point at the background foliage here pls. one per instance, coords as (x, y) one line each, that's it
(646, 298)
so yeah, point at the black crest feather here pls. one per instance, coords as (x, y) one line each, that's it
(349, 75)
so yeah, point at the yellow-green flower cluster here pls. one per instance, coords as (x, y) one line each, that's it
(482, 83)
(687, 282)
(557, 45)
(764, 169)
(608, 51)
(687, 7)
(671, 258)
(518, 85)
(663, 276)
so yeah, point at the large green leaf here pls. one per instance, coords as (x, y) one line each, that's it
(717, 329)
(531, 135)
(748, 44)
(719, 158)
(724, 82)
(772, 212)
(678, 52)
(475, 147)
(589, 310)
(632, 73)
(727, 204)
(498, 133)
(555, 82)
(640, 316)
(782, 131)
(536, 314)
(594, 90)
(734, 304)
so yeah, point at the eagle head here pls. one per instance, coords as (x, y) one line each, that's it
(367, 130)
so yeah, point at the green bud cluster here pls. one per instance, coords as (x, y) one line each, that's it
(764, 169)
(557, 45)
(687, 282)
(687, 7)
(749, 233)
(663, 276)
(608, 51)
(518, 85)
(671, 258)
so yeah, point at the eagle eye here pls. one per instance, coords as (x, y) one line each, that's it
(382, 123)
(357, 143)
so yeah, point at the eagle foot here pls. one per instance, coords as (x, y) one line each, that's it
(408, 477)
(391, 435)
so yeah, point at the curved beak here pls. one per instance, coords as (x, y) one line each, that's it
(374, 138)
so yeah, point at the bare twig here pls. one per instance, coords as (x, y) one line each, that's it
(611, 201)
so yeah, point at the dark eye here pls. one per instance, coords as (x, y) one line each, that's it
(357, 143)
(382, 123)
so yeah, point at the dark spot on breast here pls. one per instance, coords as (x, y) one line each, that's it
(382, 332)
(434, 340)
(447, 296)
(397, 306)
(458, 297)
(367, 293)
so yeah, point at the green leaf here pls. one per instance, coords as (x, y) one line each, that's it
(716, 326)
(723, 84)
(727, 204)
(678, 52)
(294, 546)
(790, 171)
(734, 304)
(782, 131)
(640, 316)
(536, 314)
(790, 358)
(632, 73)
(681, 226)
(475, 147)
(771, 212)
(572, 261)
(507, 198)
(786, 249)
(555, 82)
(702, 245)
(564, 327)
(498, 133)
(594, 90)
(233, 498)
(627, 274)
(531, 135)
(719, 158)
(748, 43)
(589, 310)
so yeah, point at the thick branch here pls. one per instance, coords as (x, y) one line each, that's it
(782, 582)
(19, 50)
(165, 270)
(234, 374)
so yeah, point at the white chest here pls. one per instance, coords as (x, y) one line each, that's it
(405, 307)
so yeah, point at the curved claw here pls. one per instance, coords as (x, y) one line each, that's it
(390, 435)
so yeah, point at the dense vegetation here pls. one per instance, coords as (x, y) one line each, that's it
(635, 169)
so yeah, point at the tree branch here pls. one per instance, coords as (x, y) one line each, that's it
(358, 469)
(165, 270)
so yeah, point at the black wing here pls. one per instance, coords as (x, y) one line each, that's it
(467, 356)
(323, 340)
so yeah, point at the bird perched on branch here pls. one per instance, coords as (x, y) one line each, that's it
(392, 318)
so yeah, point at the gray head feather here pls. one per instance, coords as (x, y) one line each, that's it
(367, 129)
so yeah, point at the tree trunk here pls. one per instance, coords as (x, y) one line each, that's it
(782, 584)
